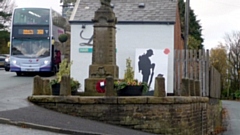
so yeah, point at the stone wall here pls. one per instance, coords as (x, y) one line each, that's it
(162, 115)
(214, 114)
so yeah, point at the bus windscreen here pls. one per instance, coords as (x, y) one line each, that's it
(30, 48)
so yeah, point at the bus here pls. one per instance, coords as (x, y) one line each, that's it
(34, 39)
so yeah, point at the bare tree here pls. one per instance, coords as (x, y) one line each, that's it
(219, 60)
(6, 8)
(232, 41)
(67, 9)
(67, 1)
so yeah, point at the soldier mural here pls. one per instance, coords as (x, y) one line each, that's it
(150, 63)
(146, 67)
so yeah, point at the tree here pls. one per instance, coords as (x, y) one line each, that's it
(5, 21)
(67, 9)
(6, 7)
(195, 29)
(219, 60)
(232, 42)
(67, 1)
(63, 38)
(193, 43)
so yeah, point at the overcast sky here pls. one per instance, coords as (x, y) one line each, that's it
(217, 17)
(55, 4)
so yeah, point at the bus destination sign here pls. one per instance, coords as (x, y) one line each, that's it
(32, 31)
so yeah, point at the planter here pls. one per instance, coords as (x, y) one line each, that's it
(56, 89)
(130, 91)
(74, 92)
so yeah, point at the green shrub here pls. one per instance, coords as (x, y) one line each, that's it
(63, 38)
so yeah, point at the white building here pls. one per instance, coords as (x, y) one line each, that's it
(142, 25)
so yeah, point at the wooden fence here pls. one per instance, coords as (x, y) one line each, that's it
(193, 65)
(215, 83)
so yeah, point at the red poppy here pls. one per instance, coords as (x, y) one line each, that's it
(100, 86)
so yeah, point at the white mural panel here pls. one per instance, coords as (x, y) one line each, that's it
(150, 63)
(128, 39)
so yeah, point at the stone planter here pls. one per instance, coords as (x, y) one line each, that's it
(130, 91)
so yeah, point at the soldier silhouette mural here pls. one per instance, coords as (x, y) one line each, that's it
(146, 67)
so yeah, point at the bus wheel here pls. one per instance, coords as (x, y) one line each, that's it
(7, 69)
(18, 73)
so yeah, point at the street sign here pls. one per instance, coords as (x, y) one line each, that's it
(87, 50)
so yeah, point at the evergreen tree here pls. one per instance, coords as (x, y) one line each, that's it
(195, 40)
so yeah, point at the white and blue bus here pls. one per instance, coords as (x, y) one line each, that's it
(34, 34)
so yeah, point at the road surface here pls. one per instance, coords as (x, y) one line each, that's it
(233, 117)
(13, 96)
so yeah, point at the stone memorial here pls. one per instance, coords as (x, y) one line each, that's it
(104, 48)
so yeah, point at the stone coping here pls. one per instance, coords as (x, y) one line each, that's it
(117, 100)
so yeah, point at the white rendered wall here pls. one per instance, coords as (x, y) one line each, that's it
(128, 39)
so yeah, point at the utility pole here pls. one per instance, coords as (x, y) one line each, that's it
(186, 24)
(186, 28)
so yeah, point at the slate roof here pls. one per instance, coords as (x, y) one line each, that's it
(128, 10)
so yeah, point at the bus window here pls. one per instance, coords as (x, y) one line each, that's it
(31, 16)
(31, 47)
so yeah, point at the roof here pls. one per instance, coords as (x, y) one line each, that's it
(155, 11)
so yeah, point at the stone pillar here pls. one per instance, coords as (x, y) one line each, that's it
(109, 88)
(185, 87)
(65, 86)
(46, 87)
(104, 48)
(41, 86)
(37, 85)
(159, 88)
(191, 87)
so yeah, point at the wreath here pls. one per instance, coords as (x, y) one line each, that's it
(100, 86)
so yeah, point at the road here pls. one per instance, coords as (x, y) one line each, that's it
(14, 90)
(233, 115)
(13, 94)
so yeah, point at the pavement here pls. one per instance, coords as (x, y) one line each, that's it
(6, 129)
(43, 119)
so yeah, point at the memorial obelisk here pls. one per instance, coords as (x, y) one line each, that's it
(104, 47)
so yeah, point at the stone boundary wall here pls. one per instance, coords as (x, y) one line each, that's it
(161, 115)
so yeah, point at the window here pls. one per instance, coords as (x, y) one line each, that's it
(31, 16)
(31, 47)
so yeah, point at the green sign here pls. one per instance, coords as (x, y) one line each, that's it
(87, 50)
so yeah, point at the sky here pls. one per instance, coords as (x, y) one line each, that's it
(55, 4)
(217, 17)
